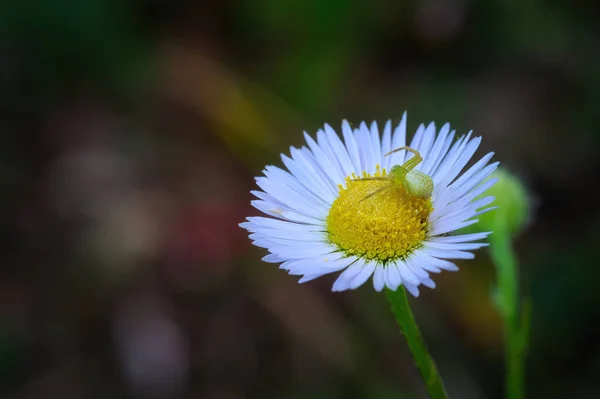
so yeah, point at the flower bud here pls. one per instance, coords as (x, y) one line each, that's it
(513, 205)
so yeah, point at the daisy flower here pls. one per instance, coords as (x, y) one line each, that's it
(373, 205)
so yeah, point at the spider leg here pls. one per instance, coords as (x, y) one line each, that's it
(407, 148)
(411, 163)
(376, 192)
(371, 178)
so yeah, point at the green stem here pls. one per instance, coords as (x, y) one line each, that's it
(515, 326)
(408, 326)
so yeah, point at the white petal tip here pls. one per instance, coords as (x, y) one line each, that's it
(306, 279)
(338, 289)
(414, 291)
(429, 283)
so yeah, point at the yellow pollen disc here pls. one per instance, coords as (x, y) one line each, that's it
(383, 227)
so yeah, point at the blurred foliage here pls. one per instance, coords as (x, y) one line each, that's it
(132, 130)
(57, 45)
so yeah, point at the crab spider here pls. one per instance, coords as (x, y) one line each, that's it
(415, 183)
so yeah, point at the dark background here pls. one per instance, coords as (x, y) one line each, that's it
(130, 135)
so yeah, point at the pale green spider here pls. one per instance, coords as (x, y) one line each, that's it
(416, 183)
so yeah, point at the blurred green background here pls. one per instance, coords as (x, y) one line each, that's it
(130, 135)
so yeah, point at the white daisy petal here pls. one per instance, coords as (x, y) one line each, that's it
(463, 211)
(379, 278)
(309, 277)
(292, 235)
(306, 156)
(363, 275)
(460, 211)
(270, 258)
(318, 265)
(442, 154)
(376, 154)
(270, 223)
(447, 254)
(290, 199)
(352, 147)
(463, 159)
(477, 191)
(392, 274)
(485, 210)
(429, 283)
(324, 161)
(455, 246)
(446, 163)
(386, 145)
(262, 243)
(436, 150)
(338, 264)
(406, 274)
(415, 268)
(302, 250)
(306, 174)
(465, 177)
(344, 280)
(310, 179)
(418, 137)
(433, 264)
(340, 151)
(247, 225)
(286, 241)
(324, 144)
(441, 205)
(365, 147)
(414, 291)
(398, 140)
(426, 143)
(319, 273)
(461, 238)
(424, 262)
(465, 188)
(443, 228)
(266, 198)
(283, 213)
(312, 227)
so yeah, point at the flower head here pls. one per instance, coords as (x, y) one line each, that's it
(372, 206)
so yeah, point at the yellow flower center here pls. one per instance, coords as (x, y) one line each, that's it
(382, 227)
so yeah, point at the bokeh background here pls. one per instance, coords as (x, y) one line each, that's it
(130, 136)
